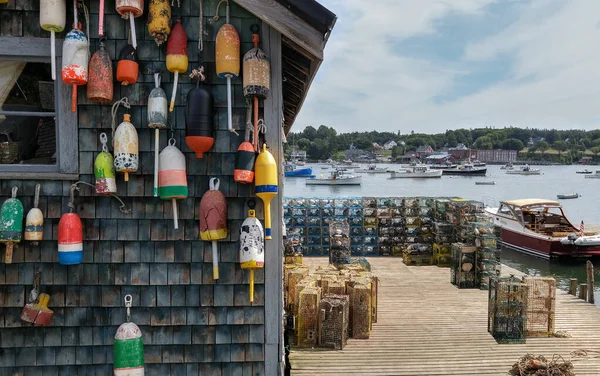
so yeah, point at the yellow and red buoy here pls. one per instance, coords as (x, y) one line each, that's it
(177, 58)
(213, 220)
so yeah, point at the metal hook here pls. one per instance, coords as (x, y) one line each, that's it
(128, 303)
(104, 141)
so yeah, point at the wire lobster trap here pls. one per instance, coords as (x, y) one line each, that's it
(339, 242)
(541, 305)
(463, 272)
(507, 309)
(361, 311)
(334, 316)
(308, 320)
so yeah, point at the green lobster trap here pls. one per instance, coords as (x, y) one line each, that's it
(507, 309)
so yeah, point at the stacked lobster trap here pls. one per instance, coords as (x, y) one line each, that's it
(330, 305)
(488, 255)
(339, 242)
(541, 305)
(507, 309)
(419, 231)
(463, 272)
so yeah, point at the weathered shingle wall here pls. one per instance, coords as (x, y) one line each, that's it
(191, 324)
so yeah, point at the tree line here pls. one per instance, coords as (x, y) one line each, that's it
(324, 142)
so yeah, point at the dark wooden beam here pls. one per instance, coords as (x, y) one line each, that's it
(288, 24)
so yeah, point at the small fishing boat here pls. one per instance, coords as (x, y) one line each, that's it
(336, 177)
(417, 172)
(466, 169)
(373, 169)
(586, 171)
(477, 163)
(525, 170)
(290, 171)
(508, 166)
(594, 176)
(568, 196)
(485, 183)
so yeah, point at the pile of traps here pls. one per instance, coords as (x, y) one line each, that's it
(330, 305)
(531, 365)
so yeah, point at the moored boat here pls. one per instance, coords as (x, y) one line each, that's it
(336, 177)
(567, 196)
(594, 176)
(525, 170)
(508, 166)
(485, 183)
(417, 172)
(290, 170)
(586, 171)
(536, 227)
(373, 169)
(466, 170)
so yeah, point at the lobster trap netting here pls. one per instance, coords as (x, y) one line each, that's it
(339, 243)
(463, 272)
(507, 309)
(361, 311)
(295, 276)
(334, 315)
(308, 323)
(541, 305)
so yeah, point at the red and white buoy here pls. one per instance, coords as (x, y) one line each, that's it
(70, 235)
(130, 9)
(76, 56)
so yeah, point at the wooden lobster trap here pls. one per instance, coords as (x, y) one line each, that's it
(541, 305)
(334, 316)
(308, 316)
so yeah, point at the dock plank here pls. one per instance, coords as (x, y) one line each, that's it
(426, 326)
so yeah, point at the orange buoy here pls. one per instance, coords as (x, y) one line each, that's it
(244, 163)
(127, 67)
(100, 81)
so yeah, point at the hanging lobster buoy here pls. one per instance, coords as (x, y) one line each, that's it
(245, 158)
(127, 67)
(177, 59)
(53, 17)
(126, 147)
(213, 220)
(199, 127)
(128, 347)
(34, 222)
(158, 108)
(172, 178)
(70, 239)
(159, 20)
(130, 9)
(75, 59)
(227, 51)
(256, 77)
(104, 170)
(11, 223)
(266, 184)
(100, 81)
(252, 246)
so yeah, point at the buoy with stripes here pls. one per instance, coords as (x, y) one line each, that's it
(266, 184)
(177, 58)
(34, 222)
(213, 220)
(199, 128)
(127, 67)
(128, 349)
(172, 178)
(70, 235)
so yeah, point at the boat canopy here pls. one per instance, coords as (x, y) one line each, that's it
(531, 202)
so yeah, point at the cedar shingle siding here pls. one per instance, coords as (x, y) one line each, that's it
(191, 325)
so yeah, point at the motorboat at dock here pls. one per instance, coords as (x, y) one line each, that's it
(537, 227)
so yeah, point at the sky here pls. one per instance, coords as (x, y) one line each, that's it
(432, 65)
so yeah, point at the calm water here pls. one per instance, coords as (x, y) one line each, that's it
(554, 180)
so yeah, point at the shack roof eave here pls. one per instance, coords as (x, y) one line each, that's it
(305, 26)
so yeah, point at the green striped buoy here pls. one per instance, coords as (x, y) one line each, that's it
(128, 351)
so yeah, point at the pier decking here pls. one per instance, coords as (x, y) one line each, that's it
(426, 326)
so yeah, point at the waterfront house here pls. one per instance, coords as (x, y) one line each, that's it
(191, 323)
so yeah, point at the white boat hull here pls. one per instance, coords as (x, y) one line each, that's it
(597, 176)
(417, 175)
(378, 171)
(354, 180)
(516, 172)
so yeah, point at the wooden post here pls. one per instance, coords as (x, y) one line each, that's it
(583, 291)
(590, 282)
(573, 286)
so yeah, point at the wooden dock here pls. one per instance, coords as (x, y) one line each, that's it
(426, 326)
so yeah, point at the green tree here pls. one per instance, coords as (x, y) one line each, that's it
(303, 143)
(319, 149)
(325, 133)
(483, 143)
(397, 151)
(512, 144)
(595, 150)
(542, 146)
(309, 133)
(560, 146)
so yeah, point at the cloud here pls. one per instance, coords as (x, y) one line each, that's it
(428, 66)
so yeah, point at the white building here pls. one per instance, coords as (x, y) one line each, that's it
(389, 145)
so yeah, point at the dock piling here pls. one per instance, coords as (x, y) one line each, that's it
(590, 281)
(583, 291)
(573, 286)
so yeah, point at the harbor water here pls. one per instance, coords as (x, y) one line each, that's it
(553, 180)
